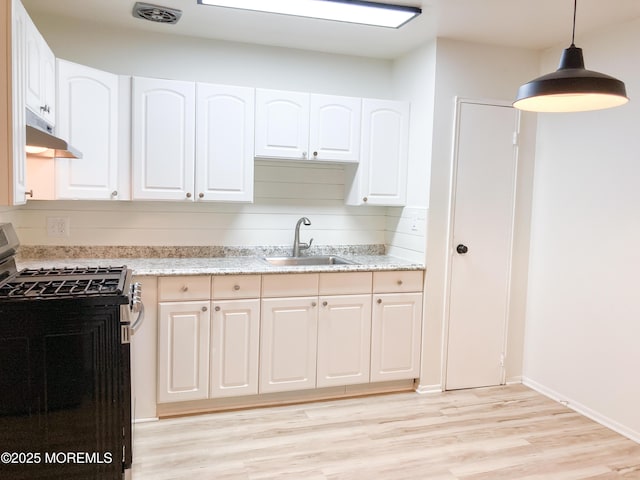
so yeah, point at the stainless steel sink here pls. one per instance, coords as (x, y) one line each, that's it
(307, 261)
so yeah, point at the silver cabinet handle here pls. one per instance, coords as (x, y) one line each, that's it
(114, 193)
(201, 195)
(29, 193)
(204, 309)
(184, 288)
(313, 304)
(365, 199)
(236, 287)
(379, 300)
(188, 194)
(325, 303)
(217, 308)
(399, 282)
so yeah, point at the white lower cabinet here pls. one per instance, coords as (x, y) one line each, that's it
(344, 340)
(183, 353)
(235, 336)
(288, 344)
(238, 335)
(395, 336)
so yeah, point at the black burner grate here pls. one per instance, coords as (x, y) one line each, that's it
(76, 282)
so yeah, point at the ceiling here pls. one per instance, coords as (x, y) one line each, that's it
(536, 24)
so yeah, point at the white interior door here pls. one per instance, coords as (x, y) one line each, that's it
(485, 162)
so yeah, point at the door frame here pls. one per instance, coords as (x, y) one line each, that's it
(453, 178)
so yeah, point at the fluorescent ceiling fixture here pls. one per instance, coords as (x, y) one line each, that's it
(350, 11)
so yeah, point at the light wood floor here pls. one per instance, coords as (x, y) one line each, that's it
(491, 434)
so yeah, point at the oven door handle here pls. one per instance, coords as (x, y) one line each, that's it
(139, 319)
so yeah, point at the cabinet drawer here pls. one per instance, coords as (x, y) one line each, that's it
(290, 285)
(349, 283)
(397, 281)
(172, 289)
(235, 286)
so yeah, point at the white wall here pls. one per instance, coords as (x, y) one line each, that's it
(583, 315)
(479, 72)
(284, 192)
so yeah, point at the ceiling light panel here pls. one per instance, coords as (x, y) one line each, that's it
(362, 12)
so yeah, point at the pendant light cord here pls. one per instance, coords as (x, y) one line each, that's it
(573, 33)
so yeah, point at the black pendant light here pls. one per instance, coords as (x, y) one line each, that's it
(571, 88)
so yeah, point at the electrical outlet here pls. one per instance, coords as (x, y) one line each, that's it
(58, 226)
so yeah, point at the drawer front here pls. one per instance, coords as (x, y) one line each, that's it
(397, 282)
(290, 285)
(235, 286)
(175, 289)
(345, 283)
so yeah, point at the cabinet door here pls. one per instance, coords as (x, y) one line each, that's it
(344, 340)
(235, 336)
(40, 74)
(381, 176)
(14, 164)
(282, 124)
(395, 336)
(88, 118)
(288, 344)
(224, 143)
(334, 128)
(163, 139)
(183, 351)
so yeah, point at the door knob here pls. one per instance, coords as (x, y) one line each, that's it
(462, 249)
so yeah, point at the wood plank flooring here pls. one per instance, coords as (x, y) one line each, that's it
(498, 433)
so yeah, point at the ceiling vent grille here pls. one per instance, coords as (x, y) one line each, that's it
(156, 13)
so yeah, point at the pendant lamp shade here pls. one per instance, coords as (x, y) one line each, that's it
(571, 88)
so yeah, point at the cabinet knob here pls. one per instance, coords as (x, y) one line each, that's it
(29, 193)
(379, 300)
(399, 282)
(184, 288)
(217, 308)
(236, 287)
(325, 303)
(114, 193)
(313, 304)
(365, 199)
(201, 195)
(188, 194)
(315, 154)
(204, 309)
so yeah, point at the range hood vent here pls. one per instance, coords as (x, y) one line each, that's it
(42, 142)
(156, 13)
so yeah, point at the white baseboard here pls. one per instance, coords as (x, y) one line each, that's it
(582, 409)
(517, 380)
(146, 420)
(437, 388)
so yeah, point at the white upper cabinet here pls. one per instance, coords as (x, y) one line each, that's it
(192, 141)
(381, 176)
(12, 155)
(334, 128)
(224, 143)
(40, 74)
(302, 126)
(282, 124)
(163, 139)
(88, 119)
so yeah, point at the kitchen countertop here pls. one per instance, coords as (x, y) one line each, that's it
(231, 265)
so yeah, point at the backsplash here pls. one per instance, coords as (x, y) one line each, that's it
(284, 192)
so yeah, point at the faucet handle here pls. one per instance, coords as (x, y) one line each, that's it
(310, 242)
(305, 246)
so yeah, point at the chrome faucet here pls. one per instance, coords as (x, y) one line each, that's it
(297, 245)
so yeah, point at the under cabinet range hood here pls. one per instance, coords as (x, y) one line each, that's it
(42, 143)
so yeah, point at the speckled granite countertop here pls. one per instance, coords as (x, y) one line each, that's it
(176, 260)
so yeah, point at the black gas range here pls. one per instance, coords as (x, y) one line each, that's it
(65, 382)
